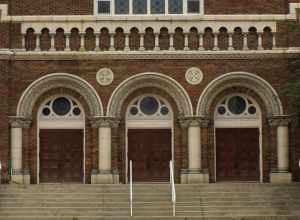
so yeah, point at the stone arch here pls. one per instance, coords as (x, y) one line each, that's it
(257, 84)
(149, 79)
(59, 80)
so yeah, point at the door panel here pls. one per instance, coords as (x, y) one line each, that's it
(61, 155)
(150, 152)
(237, 154)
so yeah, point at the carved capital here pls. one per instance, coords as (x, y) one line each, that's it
(19, 122)
(194, 121)
(107, 122)
(280, 120)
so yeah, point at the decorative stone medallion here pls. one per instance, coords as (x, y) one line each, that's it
(194, 76)
(105, 76)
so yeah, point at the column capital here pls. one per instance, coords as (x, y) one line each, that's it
(104, 122)
(19, 122)
(194, 121)
(280, 120)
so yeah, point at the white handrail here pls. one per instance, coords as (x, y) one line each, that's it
(172, 183)
(130, 179)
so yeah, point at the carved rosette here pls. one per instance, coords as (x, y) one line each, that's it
(19, 122)
(194, 121)
(104, 122)
(280, 120)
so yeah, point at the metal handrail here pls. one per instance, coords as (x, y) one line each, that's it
(172, 183)
(130, 179)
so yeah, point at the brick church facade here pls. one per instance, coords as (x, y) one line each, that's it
(88, 85)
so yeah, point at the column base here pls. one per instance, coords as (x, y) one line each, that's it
(104, 177)
(280, 177)
(194, 176)
(20, 177)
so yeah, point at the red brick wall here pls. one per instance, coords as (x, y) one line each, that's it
(84, 7)
(4, 134)
(22, 73)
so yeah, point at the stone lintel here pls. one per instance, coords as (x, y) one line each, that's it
(194, 121)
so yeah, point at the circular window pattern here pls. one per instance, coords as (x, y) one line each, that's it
(134, 110)
(221, 110)
(149, 105)
(76, 111)
(164, 110)
(237, 105)
(46, 111)
(61, 106)
(252, 110)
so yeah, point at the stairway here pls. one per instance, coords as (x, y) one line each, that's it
(226, 201)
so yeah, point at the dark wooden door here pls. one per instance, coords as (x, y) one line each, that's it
(61, 156)
(237, 154)
(150, 152)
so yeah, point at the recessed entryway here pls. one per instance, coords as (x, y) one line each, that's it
(149, 138)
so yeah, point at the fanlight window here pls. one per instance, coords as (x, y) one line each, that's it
(61, 107)
(149, 107)
(237, 106)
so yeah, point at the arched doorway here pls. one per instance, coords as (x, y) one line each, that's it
(61, 123)
(149, 127)
(237, 120)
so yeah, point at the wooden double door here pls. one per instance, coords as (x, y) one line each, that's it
(237, 154)
(61, 156)
(150, 152)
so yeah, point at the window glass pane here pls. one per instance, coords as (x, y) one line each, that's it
(139, 6)
(121, 6)
(175, 6)
(103, 7)
(157, 6)
(193, 6)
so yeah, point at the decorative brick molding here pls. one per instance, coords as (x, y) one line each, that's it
(240, 79)
(155, 80)
(194, 121)
(59, 80)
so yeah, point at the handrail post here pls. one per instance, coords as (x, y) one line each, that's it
(172, 183)
(131, 197)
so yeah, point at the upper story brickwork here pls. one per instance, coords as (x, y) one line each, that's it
(85, 7)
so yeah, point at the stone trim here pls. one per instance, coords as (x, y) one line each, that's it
(104, 122)
(194, 121)
(164, 54)
(58, 80)
(280, 120)
(154, 80)
(240, 79)
(19, 122)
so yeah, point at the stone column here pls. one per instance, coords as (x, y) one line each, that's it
(142, 42)
(112, 42)
(245, 41)
(216, 46)
(186, 41)
(97, 42)
(127, 48)
(171, 42)
(156, 47)
(82, 42)
(281, 174)
(52, 42)
(38, 42)
(230, 41)
(68, 37)
(104, 174)
(200, 42)
(194, 173)
(19, 175)
(259, 42)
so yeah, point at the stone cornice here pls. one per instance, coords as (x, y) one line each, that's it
(194, 121)
(104, 122)
(109, 55)
(280, 120)
(19, 122)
